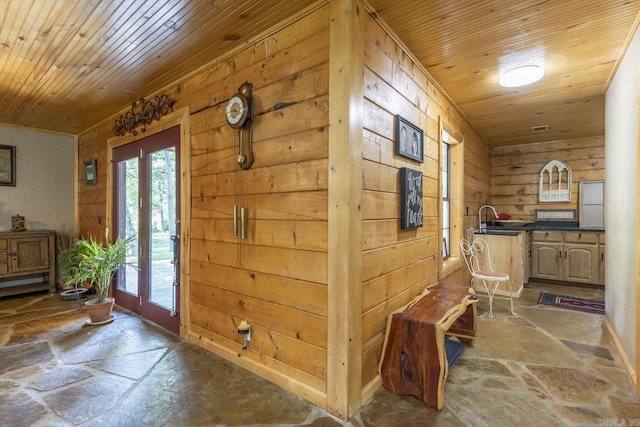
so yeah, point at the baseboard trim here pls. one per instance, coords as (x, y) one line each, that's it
(628, 367)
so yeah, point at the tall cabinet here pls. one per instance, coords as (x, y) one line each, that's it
(27, 262)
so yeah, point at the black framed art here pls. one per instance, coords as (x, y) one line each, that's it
(90, 172)
(8, 165)
(409, 139)
(411, 207)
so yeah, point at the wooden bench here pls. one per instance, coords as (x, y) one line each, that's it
(414, 359)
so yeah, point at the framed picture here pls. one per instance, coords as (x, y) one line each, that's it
(411, 204)
(8, 165)
(409, 140)
(90, 176)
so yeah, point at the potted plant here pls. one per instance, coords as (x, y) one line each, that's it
(66, 237)
(95, 263)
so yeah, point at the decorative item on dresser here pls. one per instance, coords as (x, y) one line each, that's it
(17, 223)
(27, 255)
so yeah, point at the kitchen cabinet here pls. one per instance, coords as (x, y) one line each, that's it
(508, 255)
(24, 257)
(546, 251)
(571, 256)
(601, 247)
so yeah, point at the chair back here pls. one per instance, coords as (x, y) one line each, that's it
(476, 255)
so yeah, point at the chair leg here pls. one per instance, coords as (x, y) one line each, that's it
(511, 298)
(490, 293)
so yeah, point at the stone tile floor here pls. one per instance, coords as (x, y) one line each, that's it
(545, 367)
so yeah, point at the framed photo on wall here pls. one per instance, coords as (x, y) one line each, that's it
(90, 175)
(8, 165)
(409, 139)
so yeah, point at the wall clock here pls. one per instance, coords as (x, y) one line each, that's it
(239, 112)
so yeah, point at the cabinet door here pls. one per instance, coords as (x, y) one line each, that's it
(546, 260)
(29, 254)
(581, 263)
(4, 257)
(601, 263)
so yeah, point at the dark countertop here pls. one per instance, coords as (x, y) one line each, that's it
(542, 226)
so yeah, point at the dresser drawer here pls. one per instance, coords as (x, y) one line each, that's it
(578, 237)
(547, 236)
(3, 244)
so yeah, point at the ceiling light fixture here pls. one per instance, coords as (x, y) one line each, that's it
(521, 76)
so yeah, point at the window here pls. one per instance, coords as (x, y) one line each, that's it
(446, 202)
(451, 197)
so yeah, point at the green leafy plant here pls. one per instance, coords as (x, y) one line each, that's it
(91, 262)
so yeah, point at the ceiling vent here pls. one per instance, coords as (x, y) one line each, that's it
(540, 128)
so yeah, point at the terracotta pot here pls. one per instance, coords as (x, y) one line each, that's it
(99, 313)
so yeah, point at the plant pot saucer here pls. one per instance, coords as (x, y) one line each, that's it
(110, 319)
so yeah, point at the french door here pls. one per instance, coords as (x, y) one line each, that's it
(147, 205)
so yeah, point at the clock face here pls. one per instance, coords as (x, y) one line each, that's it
(237, 110)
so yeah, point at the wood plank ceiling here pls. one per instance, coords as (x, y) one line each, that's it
(66, 65)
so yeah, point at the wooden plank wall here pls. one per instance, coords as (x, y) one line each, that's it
(516, 173)
(399, 264)
(276, 278)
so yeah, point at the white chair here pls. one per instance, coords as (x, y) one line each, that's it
(478, 258)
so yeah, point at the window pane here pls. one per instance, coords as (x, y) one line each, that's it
(128, 197)
(445, 229)
(162, 184)
(445, 170)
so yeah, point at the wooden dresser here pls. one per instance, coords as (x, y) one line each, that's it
(27, 261)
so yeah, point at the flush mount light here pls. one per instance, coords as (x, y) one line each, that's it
(521, 76)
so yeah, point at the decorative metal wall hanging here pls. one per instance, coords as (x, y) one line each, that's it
(149, 111)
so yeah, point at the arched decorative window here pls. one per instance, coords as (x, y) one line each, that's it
(555, 182)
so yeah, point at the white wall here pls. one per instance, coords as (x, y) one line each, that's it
(44, 191)
(621, 209)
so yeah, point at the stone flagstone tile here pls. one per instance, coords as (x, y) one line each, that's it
(82, 401)
(509, 341)
(571, 384)
(21, 356)
(19, 409)
(133, 366)
(588, 350)
(58, 376)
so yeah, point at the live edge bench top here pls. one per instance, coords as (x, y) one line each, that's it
(413, 354)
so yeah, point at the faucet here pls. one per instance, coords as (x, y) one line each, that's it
(484, 230)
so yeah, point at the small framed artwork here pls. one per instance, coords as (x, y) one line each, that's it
(409, 139)
(411, 203)
(8, 165)
(90, 176)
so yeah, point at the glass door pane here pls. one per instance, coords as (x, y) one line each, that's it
(128, 196)
(162, 226)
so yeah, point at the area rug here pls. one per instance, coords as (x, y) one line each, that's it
(571, 303)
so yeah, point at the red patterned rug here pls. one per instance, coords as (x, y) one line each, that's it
(571, 303)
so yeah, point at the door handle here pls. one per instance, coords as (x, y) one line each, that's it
(242, 210)
(235, 220)
(175, 239)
